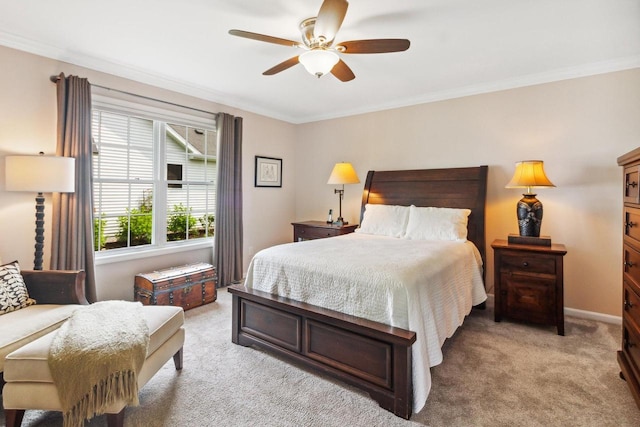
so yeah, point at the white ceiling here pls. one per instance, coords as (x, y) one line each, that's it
(458, 47)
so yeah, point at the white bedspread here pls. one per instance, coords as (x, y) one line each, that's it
(424, 286)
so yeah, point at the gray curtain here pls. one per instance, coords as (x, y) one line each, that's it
(72, 240)
(228, 229)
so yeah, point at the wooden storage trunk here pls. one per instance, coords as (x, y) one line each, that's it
(187, 286)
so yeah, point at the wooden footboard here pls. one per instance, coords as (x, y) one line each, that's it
(371, 356)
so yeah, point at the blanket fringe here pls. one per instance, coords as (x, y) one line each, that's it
(121, 385)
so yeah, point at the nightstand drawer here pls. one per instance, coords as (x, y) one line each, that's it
(316, 233)
(632, 225)
(631, 259)
(530, 299)
(530, 263)
(309, 230)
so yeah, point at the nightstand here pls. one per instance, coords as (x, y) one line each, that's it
(528, 283)
(308, 230)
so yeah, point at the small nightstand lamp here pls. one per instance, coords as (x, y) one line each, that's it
(529, 174)
(40, 174)
(342, 173)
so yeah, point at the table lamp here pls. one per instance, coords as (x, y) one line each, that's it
(529, 174)
(40, 174)
(342, 173)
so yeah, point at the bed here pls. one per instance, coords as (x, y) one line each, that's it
(378, 357)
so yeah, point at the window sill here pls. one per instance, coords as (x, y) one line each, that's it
(102, 258)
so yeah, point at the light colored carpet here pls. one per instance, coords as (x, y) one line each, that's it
(494, 374)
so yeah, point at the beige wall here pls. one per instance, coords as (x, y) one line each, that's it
(28, 125)
(578, 127)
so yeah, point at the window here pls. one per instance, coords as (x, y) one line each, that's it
(174, 173)
(154, 177)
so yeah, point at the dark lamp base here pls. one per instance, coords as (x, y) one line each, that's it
(529, 210)
(516, 239)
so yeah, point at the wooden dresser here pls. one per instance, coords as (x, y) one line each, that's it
(629, 356)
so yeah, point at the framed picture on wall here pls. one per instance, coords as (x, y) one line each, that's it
(268, 172)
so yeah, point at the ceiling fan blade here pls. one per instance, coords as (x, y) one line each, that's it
(264, 38)
(281, 66)
(374, 46)
(342, 71)
(330, 19)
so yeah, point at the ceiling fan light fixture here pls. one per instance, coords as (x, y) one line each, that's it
(319, 62)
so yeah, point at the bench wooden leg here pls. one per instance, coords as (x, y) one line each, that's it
(177, 359)
(116, 420)
(13, 417)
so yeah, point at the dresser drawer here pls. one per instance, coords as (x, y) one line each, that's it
(631, 260)
(529, 263)
(631, 187)
(631, 346)
(631, 306)
(632, 225)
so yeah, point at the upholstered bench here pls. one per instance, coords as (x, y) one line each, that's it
(58, 293)
(29, 384)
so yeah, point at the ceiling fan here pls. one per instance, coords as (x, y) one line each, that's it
(321, 55)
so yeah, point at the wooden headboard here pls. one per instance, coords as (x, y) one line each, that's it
(442, 188)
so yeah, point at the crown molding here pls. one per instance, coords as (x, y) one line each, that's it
(187, 88)
(138, 74)
(586, 70)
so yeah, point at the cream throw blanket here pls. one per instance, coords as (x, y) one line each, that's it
(95, 358)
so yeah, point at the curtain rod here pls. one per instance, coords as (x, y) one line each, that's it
(55, 79)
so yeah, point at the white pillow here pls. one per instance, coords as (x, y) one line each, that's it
(437, 224)
(384, 220)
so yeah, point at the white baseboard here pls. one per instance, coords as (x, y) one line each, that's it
(592, 315)
(574, 312)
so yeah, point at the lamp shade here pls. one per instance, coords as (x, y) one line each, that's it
(40, 174)
(319, 61)
(529, 173)
(343, 173)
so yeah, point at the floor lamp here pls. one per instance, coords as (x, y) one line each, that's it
(342, 173)
(40, 174)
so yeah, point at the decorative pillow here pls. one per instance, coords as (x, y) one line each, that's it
(13, 291)
(384, 220)
(437, 224)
